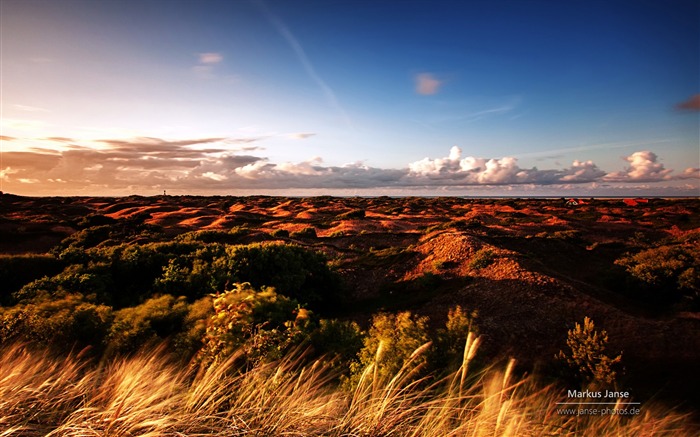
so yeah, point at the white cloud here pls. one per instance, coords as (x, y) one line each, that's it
(582, 171)
(201, 164)
(6, 172)
(214, 176)
(643, 168)
(427, 84)
(456, 170)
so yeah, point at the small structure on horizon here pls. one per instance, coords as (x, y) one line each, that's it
(575, 202)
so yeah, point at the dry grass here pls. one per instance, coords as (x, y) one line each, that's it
(147, 395)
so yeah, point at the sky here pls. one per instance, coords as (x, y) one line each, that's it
(350, 97)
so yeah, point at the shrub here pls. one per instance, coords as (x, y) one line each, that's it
(293, 271)
(337, 338)
(19, 270)
(308, 232)
(153, 320)
(92, 220)
(262, 325)
(451, 340)
(213, 236)
(586, 357)
(62, 322)
(280, 233)
(671, 268)
(354, 214)
(482, 258)
(390, 343)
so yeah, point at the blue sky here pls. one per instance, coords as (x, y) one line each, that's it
(350, 97)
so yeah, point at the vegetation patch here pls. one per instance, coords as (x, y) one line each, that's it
(483, 258)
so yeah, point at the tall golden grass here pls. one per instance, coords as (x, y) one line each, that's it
(149, 395)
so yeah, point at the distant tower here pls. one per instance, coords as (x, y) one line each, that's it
(164, 193)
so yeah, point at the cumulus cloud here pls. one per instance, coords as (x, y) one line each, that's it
(219, 164)
(644, 167)
(455, 170)
(427, 84)
(692, 104)
(690, 173)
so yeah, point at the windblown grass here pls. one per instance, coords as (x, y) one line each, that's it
(148, 395)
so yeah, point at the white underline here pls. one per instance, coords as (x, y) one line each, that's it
(598, 403)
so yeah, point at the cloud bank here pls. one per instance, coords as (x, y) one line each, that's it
(227, 164)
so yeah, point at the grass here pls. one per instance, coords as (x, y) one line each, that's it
(148, 395)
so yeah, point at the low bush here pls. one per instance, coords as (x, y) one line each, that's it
(59, 323)
(280, 233)
(482, 258)
(586, 360)
(19, 270)
(354, 214)
(308, 232)
(389, 345)
(673, 269)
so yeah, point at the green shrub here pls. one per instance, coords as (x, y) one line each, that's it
(155, 319)
(354, 214)
(19, 270)
(586, 358)
(308, 232)
(92, 220)
(60, 323)
(280, 233)
(337, 338)
(94, 283)
(292, 270)
(482, 258)
(214, 236)
(451, 340)
(672, 268)
(262, 325)
(390, 344)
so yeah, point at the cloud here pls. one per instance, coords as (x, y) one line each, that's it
(644, 167)
(690, 173)
(692, 104)
(61, 139)
(300, 135)
(455, 170)
(210, 58)
(7, 138)
(218, 164)
(427, 84)
(207, 61)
